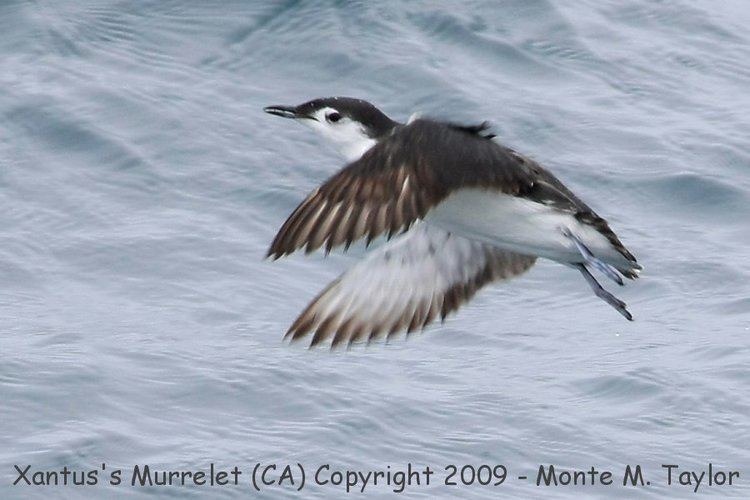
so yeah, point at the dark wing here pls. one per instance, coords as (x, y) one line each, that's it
(404, 285)
(396, 183)
(549, 190)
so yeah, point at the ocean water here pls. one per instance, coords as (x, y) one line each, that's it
(141, 184)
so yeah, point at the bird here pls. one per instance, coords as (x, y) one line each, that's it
(458, 210)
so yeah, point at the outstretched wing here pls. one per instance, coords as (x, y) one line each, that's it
(549, 190)
(400, 179)
(405, 285)
(396, 183)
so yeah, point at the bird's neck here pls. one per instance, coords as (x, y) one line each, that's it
(353, 150)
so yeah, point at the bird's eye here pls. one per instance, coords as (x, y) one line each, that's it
(333, 117)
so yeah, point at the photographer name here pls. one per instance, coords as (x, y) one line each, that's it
(633, 475)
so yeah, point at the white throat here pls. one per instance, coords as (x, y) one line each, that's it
(354, 150)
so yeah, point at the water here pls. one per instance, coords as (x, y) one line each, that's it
(140, 185)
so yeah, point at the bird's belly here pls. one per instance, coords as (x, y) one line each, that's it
(518, 225)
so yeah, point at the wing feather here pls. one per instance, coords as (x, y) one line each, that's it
(396, 183)
(404, 285)
(400, 179)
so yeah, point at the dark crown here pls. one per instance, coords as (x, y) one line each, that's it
(375, 121)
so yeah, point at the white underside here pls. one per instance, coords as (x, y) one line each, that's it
(519, 225)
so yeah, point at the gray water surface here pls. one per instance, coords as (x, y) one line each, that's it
(140, 186)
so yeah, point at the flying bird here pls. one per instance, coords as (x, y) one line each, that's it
(459, 211)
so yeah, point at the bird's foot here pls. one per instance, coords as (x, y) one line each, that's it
(593, 261)
(603, 294)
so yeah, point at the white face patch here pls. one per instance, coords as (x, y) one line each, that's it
(347, 135)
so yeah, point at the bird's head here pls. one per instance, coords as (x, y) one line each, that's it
(352, 125)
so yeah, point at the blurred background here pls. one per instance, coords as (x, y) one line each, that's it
(140, 185)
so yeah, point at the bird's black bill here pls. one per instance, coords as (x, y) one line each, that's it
(283, 111)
